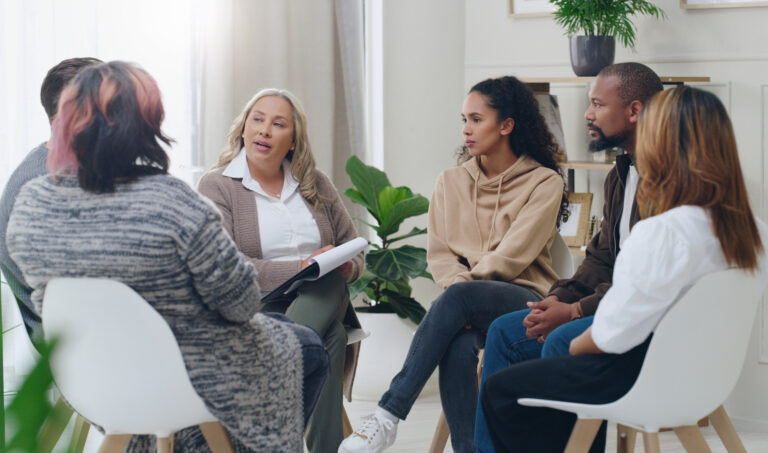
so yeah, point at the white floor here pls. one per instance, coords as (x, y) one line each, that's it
(415, 434)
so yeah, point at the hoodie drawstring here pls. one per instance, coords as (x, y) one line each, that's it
(477, 221)
(493, 218)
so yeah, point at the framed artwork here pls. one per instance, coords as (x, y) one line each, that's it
(530, 8)
(574, 228)
(700, 4)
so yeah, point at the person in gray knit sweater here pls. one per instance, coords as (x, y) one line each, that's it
(108, 209)
(280, 210)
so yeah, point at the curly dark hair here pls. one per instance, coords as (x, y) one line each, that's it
(511, 98)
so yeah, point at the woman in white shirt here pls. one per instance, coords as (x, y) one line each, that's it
(280, 210)
(697, 221)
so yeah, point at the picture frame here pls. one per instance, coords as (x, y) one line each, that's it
(702, 4)
(530, 8)
(574, 229)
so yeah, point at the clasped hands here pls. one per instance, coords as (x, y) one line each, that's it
(345, 269)
(545, 316)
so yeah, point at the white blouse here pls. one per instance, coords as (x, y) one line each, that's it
(288, 231)
(662, 258)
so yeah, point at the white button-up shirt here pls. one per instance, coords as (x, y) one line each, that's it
(662, 258)
(286, 226)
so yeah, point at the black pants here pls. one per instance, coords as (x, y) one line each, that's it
(590, 379)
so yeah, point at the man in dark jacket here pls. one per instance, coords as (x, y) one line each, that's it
(616, 99)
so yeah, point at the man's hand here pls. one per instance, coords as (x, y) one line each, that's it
(546, 316)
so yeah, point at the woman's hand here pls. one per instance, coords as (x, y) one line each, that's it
(584, 344)
(346, 269)
(305, 263)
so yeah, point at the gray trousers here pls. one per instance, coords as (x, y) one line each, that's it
(322, 305)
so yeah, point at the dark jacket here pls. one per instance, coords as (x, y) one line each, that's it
(595, 275)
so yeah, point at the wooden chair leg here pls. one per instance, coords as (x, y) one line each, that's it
(79, 435)
(346, 426)
(583, 434)
(54, 426)
(440, 438)
(625, 439)
(728, 435)
(114, 443)
(217, 438)
(651, 442)
(692, 439)
(163, 445)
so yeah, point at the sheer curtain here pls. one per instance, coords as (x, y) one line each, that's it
(37, 34)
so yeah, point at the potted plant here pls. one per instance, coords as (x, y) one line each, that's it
(391, 313)
(601, 22)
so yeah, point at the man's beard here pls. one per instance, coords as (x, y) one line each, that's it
(603, 142)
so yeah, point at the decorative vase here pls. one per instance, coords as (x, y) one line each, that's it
(590, 54)
(382, 355)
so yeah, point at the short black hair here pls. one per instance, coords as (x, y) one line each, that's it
(57, 78)
(637, 82)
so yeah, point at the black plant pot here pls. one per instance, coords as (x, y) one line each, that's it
(590, 54)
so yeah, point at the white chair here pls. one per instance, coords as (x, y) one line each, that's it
(118, 364)
(692, 364)
(562, 263)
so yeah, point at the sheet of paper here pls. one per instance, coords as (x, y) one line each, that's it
(337, 256)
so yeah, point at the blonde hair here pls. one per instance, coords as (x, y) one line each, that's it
(301, 158)
(686, 155)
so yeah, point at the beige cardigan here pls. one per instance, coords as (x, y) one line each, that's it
(240, 219)
(494, 229)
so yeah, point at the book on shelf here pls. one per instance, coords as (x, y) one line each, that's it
(318, 266)
(550, 110)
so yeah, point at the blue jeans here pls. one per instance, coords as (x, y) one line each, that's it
(450, 336)
(507, 345)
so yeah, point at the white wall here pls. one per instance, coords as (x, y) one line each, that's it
(729, 45)
(423, 93)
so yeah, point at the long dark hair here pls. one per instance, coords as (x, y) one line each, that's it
(107, 129)
(511, 98)
(686, 155)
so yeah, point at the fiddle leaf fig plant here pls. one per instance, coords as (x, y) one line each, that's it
(386, 279)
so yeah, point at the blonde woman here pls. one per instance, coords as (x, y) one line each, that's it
(280, 210)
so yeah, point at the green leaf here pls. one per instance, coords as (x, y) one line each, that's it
(410, 207)
(355, 196)
(389, 196)
(360, 284)
(427, 275)
(414, 232)
(369, 181)
(396, 264)
(30, 408)
(401, 287)
(406, 307)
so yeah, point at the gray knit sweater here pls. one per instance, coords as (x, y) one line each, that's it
(167, 243)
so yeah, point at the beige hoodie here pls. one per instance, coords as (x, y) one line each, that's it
(494, 229)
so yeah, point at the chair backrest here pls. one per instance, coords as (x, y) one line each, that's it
(562, 260)
(117, 362)
(704, 339)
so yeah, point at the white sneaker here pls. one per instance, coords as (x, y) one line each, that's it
(377, 432)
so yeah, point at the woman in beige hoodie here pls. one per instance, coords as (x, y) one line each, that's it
(492, 221)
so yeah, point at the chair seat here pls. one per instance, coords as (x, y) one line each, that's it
(356, 335)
